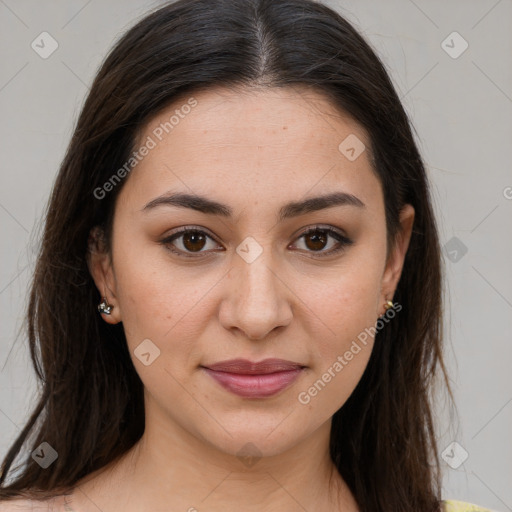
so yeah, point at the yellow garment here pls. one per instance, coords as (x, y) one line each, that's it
(459, 506)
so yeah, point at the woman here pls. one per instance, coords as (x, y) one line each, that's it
(237, 303)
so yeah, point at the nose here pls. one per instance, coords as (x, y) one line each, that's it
(258, 300)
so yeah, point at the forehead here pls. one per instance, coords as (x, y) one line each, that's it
(253, 115)
(263, 143)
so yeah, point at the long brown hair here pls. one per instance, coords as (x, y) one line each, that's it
(90, 408)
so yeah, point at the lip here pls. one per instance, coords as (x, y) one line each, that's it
(255, 379)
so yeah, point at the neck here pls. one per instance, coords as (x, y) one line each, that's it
(171, 469)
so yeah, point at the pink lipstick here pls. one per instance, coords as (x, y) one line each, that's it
(255, 380)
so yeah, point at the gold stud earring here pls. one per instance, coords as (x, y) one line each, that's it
(388, 305)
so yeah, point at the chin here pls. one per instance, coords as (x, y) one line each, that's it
(256, 441)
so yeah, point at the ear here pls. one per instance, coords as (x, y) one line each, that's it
(395, 261)
(100, 266)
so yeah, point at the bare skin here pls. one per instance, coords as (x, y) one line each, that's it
(253, 151)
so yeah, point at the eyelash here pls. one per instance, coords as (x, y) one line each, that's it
(342, 240)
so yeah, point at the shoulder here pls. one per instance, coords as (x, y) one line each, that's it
(55, 504)
(461, 506)
(22, 505)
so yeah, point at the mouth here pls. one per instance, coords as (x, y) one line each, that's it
(255, 379)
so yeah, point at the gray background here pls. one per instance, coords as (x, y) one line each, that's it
(461, 109)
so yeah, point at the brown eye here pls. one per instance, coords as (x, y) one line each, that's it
(188, 241)
(194, 241)
(316, 239)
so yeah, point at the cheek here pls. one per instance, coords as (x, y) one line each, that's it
(164, 307)
(341, 353)
(346, 307)
(143, 287)
(325, 392)
(163, 303)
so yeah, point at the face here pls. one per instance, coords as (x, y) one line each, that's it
(257, 266)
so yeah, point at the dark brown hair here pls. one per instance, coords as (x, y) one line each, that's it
(90, 409)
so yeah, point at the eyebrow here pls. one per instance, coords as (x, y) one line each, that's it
(289, 210)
